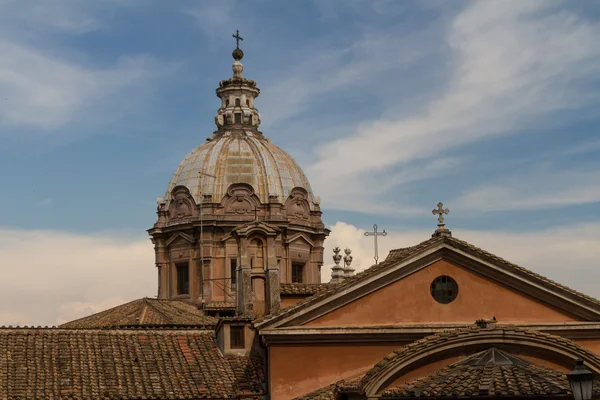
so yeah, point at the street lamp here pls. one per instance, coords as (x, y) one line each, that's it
(581, 381)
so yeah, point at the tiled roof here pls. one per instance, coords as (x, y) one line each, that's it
(54, 363)
(148, 313)
(220, 305)
(461, 336)
(399, 255)
(302, 288)
(491, 372)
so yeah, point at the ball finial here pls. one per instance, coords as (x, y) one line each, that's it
(237, 54)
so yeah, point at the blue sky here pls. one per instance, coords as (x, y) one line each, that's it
(389, 106)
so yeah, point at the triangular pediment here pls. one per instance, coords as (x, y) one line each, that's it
(399, 291)
(180, 236)
(300, 237)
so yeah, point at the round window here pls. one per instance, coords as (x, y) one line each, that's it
(444, 289)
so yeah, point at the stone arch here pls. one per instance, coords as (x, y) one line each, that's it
(465, 341)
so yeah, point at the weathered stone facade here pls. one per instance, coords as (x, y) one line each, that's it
(239, 216)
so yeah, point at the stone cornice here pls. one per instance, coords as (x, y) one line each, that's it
(408, 333)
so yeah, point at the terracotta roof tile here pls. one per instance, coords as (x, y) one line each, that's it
(53, 363)
(489, 373)
(146, 312)
(220, 305)
(442, 338)
(302, 288)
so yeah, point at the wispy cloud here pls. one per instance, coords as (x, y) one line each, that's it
(44, 91)
(45, 203)
(508, 65)
(44, 84)
(534, 190)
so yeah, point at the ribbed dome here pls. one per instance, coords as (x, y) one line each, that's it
(240, 158)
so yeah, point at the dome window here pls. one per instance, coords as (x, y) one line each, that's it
(226, 102)
(183, 278)
(297, 272)
(238, 118)
(237, 103)
(248, 102)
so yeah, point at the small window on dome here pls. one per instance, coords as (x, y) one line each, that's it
(238, 118)
(248, 102)
(237, 103)
(226, 102)
(444, 289)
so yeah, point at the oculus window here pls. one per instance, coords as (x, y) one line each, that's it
(444, 289)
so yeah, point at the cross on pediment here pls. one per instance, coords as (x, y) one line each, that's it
(440, 211)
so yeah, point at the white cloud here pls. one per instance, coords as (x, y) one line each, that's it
(511, 63)
(45, 91)
(52, 277)
(531, 190)
(46, 85)
(568, 255)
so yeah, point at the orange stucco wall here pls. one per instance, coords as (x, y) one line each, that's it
(592, 345)
(409, 301)
(297, 369)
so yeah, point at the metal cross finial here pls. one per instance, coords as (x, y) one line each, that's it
(237, 38)
(439, 211)
(375, 234)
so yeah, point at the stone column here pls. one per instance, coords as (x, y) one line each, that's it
(273, 296)
(244, 307)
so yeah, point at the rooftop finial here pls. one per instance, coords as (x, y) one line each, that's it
(237, 38)
(441, 229)
(237, 54)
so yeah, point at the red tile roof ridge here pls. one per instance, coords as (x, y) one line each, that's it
(403, 254)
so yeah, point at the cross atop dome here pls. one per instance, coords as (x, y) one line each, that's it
(237, 54)
(237, 38)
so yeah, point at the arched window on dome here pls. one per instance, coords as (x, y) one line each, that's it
(248, 102)
(238, 103)
(226, 102)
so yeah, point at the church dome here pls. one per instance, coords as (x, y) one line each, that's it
(239, 158)
(237, 152)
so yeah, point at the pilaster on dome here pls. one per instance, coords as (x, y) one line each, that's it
(237, 113)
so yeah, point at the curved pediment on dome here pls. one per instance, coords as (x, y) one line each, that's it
(240, 200)
(183, 204)
(297, 205)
